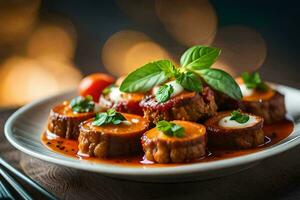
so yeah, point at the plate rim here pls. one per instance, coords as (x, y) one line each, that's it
(105, 168)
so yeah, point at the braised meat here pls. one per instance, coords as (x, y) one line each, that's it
(112, 140)
(188, 106)
(271, 109)
(122, 102)
(225, 133)
(64, 122)
(161, 148)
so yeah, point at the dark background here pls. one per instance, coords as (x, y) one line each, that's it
(277, 21)
(48, 45)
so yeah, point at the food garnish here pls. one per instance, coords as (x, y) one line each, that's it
(94, 84)
(170, 129)
(164, 93)
(239, 117)
(82, 104)
(253, 81)
(195, 68)
(107, 90)
(108, 117)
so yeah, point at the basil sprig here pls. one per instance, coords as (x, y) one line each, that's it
(108, 117)
(189, 81)
(147, 76)
(170, 129)
(164, 93)
(82, 104)
(253, 81)
(239, 117)
(199, 57)
(196, 63)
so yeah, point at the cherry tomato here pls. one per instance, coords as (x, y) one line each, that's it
(94, 84)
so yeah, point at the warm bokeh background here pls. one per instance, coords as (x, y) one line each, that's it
(46, 46)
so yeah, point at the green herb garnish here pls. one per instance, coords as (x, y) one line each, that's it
(253, 81)
(164, 93)
(170, 129)
(195, 68)
(107, 90)
(108, 117)
(147, 76)
(82, 104)
(239, 117)
(189, 81)
(199, 57)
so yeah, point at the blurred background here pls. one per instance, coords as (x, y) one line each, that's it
(47, 46)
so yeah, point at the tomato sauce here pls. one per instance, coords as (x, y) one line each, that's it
(274, 133)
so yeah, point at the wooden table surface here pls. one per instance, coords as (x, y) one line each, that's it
(277, 178)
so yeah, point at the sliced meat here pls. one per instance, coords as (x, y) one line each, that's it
(161, 148)
(225, 102)
(189, 106)
(122, 102)
(234, 135)
(112, 140)
(272, 109)
(64, 122)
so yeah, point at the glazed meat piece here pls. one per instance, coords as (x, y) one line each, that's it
(64, 122)
(161, 148)
(112, 140)
(222, 132)
(112, 97)
(225, 102)
(188, 106)
(271, 108)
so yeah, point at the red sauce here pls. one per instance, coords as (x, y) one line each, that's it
(274, 134)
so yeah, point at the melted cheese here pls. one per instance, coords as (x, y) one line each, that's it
(246, 91)
(177, 88)
(227, 123)
(115, 94)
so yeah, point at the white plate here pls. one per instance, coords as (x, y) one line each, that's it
(23, 130)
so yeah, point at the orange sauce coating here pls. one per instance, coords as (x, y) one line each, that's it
(274, 134)
(257, 95)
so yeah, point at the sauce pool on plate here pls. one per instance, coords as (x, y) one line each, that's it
(274, 134)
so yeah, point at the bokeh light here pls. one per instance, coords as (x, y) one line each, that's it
(17, 19)
(126, 50)
(53, 40)
(243, 48)
(190, 22)
(25, 79)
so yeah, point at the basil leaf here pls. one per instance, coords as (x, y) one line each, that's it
(164, 93)
(165, 127)
(178, 131)
(189, 81)
(239, 117)
(170, 129)
(221, 81)
(147, 76)
(199, 57)
(100, 119)
(108, 117)
(82, 104)
(253, 81)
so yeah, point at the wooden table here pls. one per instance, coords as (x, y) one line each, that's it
(277, 178)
